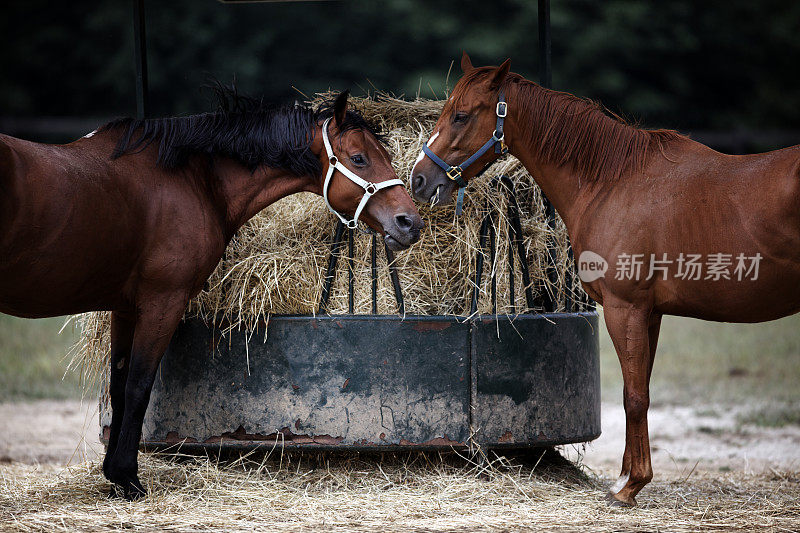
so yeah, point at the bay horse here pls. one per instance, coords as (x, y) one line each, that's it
(641, 207)
(134, 217)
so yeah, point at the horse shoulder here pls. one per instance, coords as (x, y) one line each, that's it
(187, 237)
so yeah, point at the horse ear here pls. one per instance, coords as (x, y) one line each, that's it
(340, 107)
(500, 75)
(466, 62)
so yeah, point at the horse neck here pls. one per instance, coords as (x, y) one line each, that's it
(244, 193)
(564, 184)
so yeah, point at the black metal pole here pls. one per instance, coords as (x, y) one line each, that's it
(350, 272)
(492, 251)
(398, 291)
(545, 73)
(516, 225)
(546, 80)
(483, 235)
(569, 300)
(330, 275)
(140, 59)
(511, 289)
(374, 274)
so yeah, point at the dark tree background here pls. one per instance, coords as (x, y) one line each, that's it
(701, 67)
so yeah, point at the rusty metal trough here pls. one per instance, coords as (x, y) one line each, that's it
(380, 383)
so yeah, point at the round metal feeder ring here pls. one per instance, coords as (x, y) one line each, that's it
(378, 382)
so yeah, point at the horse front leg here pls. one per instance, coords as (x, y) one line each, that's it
(631, 329)
(122, 328)
(156, 322)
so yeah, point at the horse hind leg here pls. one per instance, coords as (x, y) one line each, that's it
(631, 329)
(157, 319)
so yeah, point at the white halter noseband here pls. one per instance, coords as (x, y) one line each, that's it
(369, 187)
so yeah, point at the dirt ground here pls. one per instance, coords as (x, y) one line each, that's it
(706, 438)
(712, 473)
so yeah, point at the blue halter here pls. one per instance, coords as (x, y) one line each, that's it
(497, 141)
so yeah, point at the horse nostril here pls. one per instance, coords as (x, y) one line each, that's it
(404, 222)
(418, 182)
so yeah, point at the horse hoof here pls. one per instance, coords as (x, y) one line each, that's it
(614, 500)
(133, 490)
(130, 490)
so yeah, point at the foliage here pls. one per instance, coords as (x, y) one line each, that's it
(714, 64)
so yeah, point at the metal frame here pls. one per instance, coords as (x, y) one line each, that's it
(545, 302)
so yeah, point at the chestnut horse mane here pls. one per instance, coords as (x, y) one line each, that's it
(564, 128)
(246, 129)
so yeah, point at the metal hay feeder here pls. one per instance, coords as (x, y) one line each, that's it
(383, 382)
(379, 382)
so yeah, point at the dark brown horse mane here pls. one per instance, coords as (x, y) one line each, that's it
(565, 129)
(246, 129)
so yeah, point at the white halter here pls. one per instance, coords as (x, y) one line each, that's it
(369, 187)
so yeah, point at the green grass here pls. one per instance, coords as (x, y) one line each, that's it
(772, 416)
(32, 360)
(696, 362)
(701, 361)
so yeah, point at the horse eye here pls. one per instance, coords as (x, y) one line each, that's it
(460, 118)
(359, 160)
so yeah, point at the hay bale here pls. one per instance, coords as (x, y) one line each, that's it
(276, 262)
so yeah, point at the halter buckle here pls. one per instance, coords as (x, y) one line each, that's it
(370, 189)
(333, 160)
(501, 109)
(454, 173)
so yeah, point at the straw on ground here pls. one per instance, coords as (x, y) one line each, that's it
(414, 492)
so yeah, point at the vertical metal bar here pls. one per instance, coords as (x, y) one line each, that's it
(552, 257)
(569, 300)
(505, 183)
(516, 225)
(546, 80)
(545, 72)
(511, 297)
(492, 251)
(350, 271)
(140, 59)
(374, 274)
(398, 292)
(333, 260)
(484, 231)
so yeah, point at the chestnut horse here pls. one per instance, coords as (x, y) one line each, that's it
(134, 217)
(641, 207)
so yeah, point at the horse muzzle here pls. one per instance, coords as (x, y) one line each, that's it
(403, 230)
(433, 188)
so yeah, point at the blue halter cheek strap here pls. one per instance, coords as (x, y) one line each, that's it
(497, 141)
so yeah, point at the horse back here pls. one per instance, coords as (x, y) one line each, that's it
(81, 230)
(697, 202)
